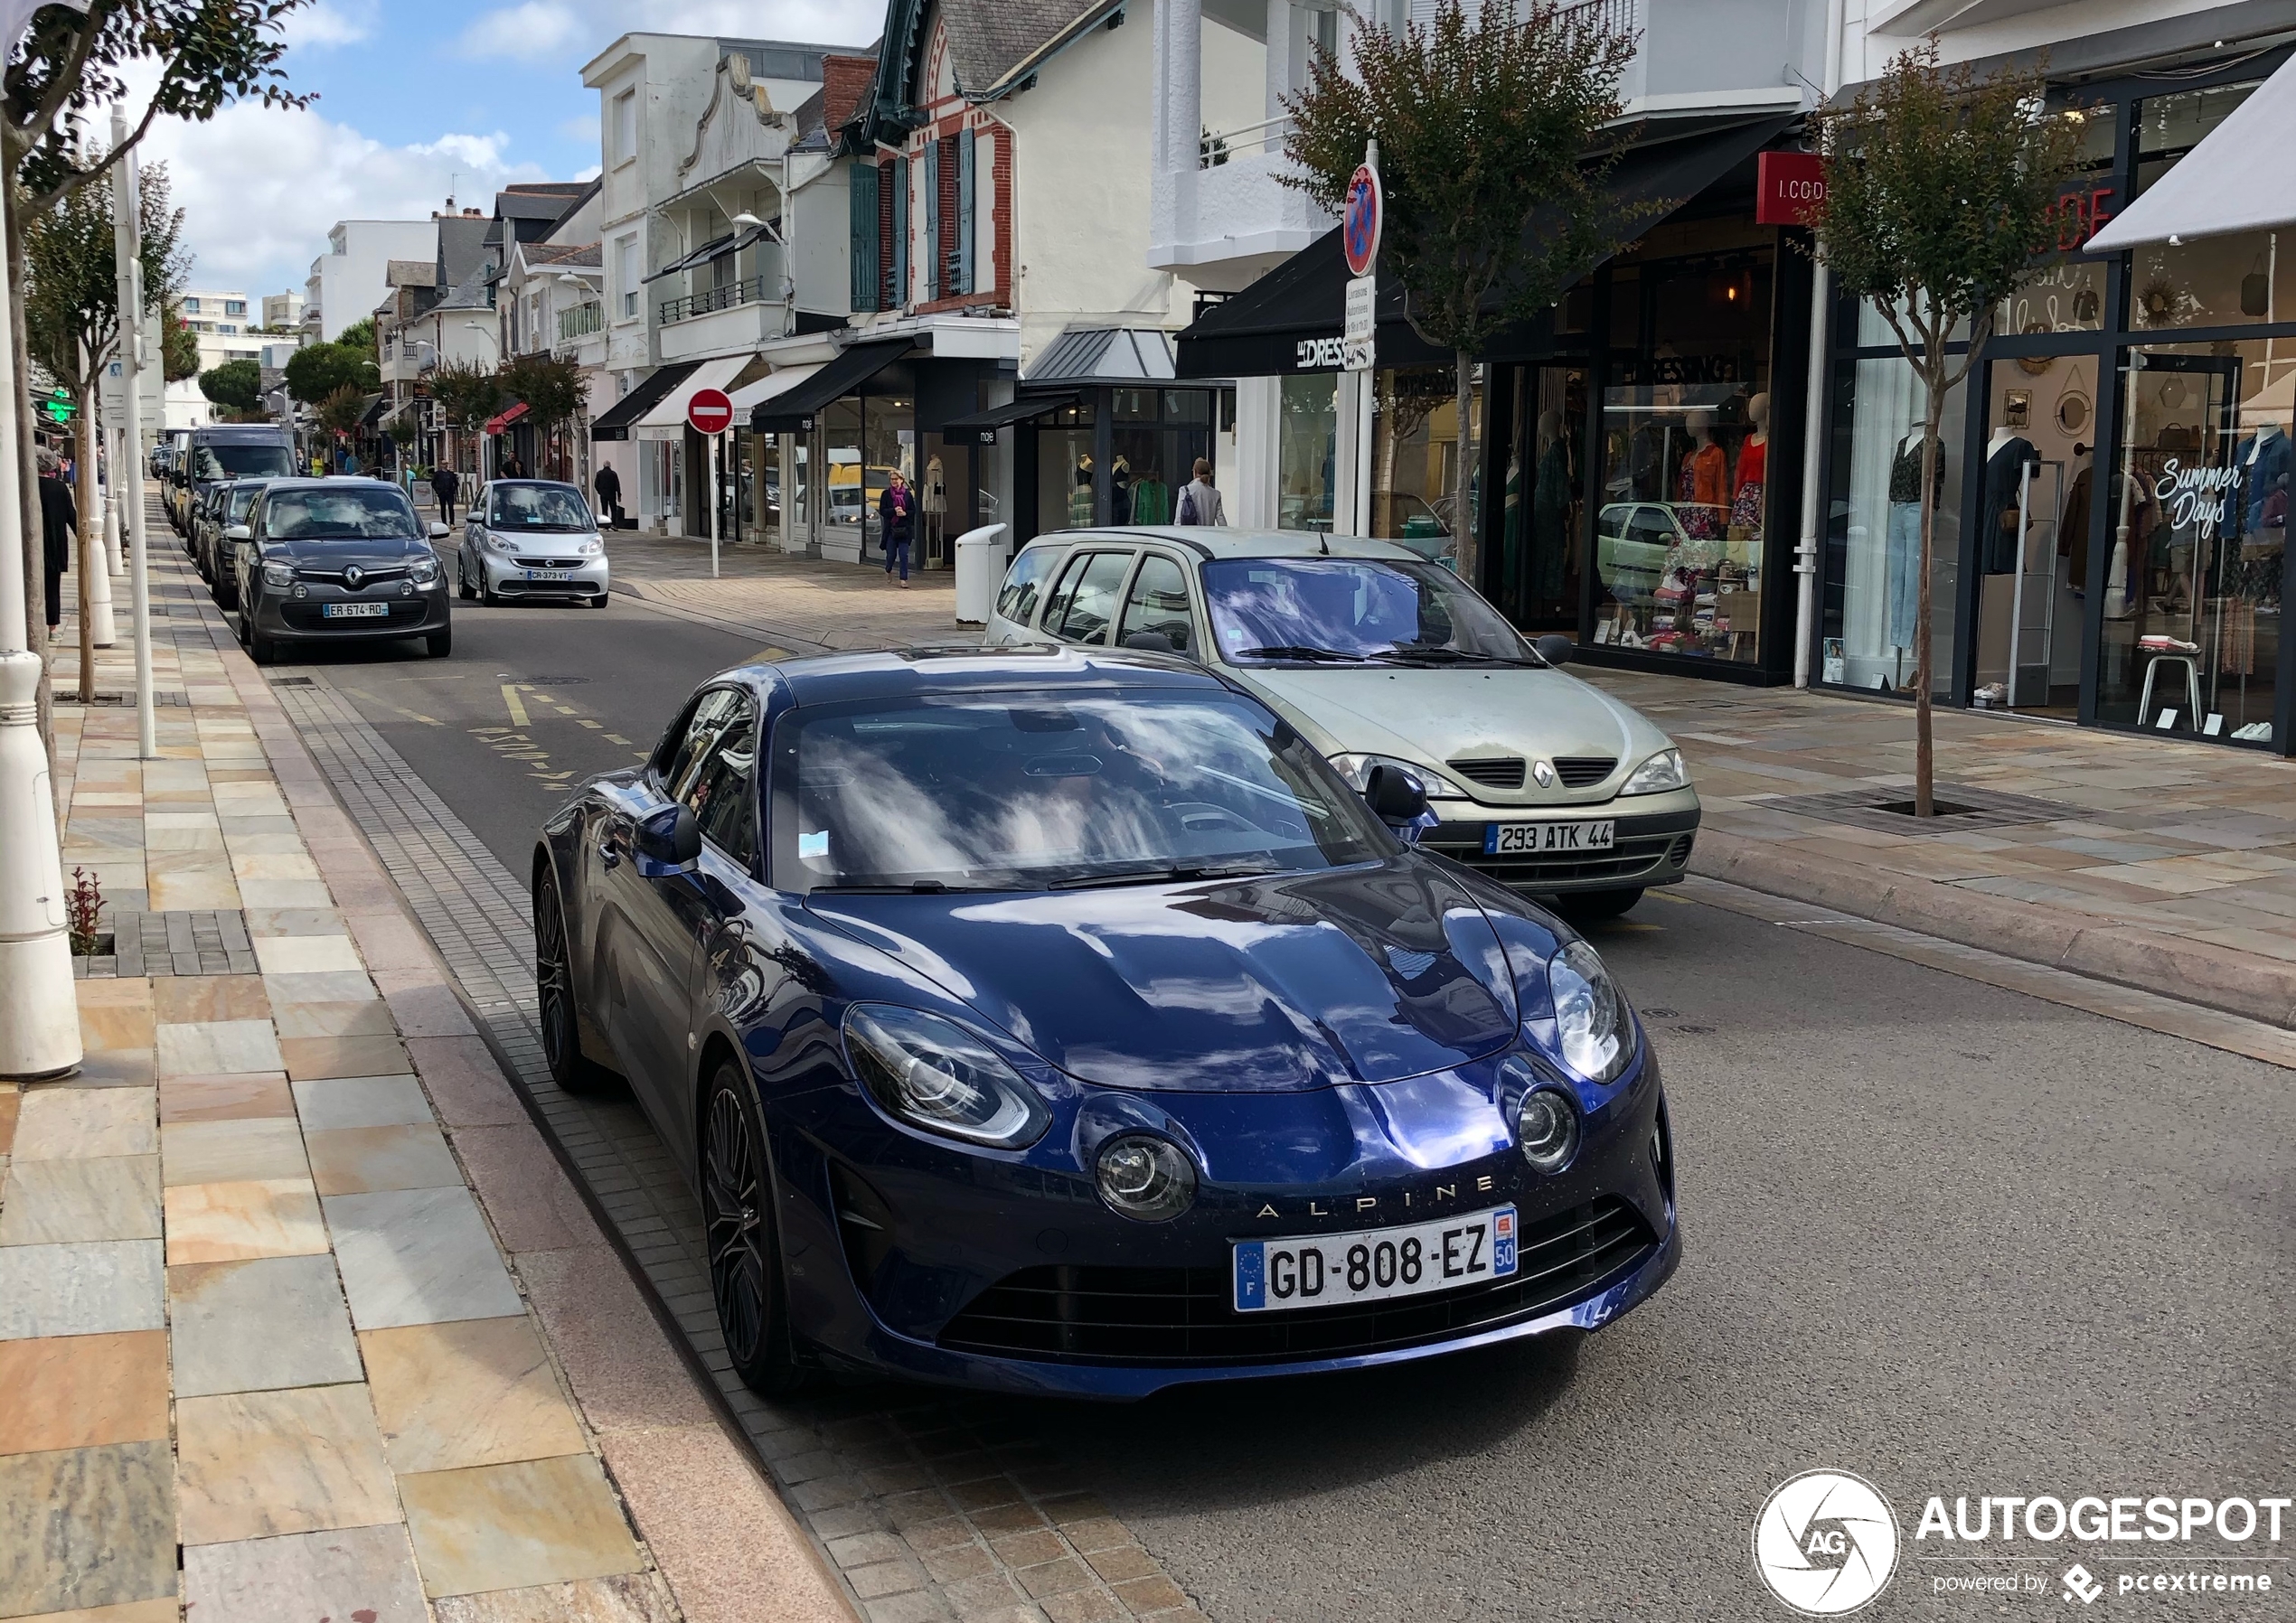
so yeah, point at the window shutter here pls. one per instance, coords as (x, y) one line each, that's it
(899, 178)
(863, 200)
(944, 245)
(887, 296)
(961, 271)
(930, 194)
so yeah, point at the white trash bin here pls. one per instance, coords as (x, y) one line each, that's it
(980, 570)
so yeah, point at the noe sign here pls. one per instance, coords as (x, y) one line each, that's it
(709, 411)
(1787, 186)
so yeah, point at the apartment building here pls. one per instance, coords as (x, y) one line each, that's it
(347, 282)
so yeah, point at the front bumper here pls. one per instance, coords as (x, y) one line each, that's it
(1652, 842)
(287, 619)
(952, 1274)
(506, 577)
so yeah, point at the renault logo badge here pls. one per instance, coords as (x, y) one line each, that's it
(354, 575)
(1544, 774)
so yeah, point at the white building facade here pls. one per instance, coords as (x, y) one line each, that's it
(347, 282)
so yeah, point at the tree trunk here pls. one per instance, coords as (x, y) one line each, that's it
(1924, 739)
(87, 549)
(1463, 521)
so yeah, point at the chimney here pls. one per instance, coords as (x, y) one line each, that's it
(844, 82)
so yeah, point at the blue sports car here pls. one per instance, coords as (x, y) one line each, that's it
(1059, 1021)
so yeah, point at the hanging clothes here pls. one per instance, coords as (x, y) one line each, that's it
(1550, 519)
(1151, 501)
(2073, 529)
(1705, 487)
(2263, 465)
(2004, 472)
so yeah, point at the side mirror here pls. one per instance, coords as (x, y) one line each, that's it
(438, 531)
(1555, 649)
(236, 532)
(669, 842)
(1397, 800)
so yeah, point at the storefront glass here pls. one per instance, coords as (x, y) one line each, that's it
(1542, 536)
(1679, 538)
(845, 528)
(2210, 281)
(1415, 457)
(1143, 480)
(1307, 451)
(889, 430)
(1064, 469)
(2197, 515)
(1873, 541)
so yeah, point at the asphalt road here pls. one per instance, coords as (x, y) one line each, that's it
(1954, 1239)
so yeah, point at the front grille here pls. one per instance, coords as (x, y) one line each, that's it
(551, 563)
(1505, 773)
(1584, 772)
(367, 577)
(1185, 1315)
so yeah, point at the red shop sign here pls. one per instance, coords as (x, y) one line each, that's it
(1787, 186)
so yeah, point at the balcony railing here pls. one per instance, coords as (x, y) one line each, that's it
(580, 321)
(1615, 17)
(749, 290)
(1217, 146)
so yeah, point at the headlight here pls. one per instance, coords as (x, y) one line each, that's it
(939, 1076)
(1591, 1015)
(425, 571)
(590, 549)
(1546, 1129)
(279, 574)
(1661, 771)
(1357, 769)
(495, 543)
(1145, 1178)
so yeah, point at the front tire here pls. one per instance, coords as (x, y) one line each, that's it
(462, 581)
(738, 1235)
(438, 644)
(598, 601)
(261, 649)
(560, 1010)
(1593, 906)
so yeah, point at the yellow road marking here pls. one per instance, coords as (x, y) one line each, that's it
(517, 706)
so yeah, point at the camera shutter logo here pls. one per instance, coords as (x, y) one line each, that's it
(1826, 1542)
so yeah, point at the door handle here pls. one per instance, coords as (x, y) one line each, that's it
(608, 853)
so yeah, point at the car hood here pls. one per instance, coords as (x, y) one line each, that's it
(336, 554)
(1362, 974)
(1438, 716)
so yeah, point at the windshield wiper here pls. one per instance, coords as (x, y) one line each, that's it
(1164, 876)
(1449, 656)
(1299, 651)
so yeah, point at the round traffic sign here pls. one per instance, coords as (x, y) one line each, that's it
(1360, 221)
(710, 411)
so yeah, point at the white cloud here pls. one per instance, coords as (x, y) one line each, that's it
(332, 22)
(260, 187)
(530, 32)
(537, 29)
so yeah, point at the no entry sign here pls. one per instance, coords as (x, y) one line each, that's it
(710, 411)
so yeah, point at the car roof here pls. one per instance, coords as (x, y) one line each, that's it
(555, 484)
(1210, 541)
(300, 482)
(916, 673)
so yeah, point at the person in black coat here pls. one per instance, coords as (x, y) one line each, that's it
(59, 520)
(446, 484)
(609, 491)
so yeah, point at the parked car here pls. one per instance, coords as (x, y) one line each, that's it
(1379, 656)
(1637, 542)
(220, 529)
(531, 537)
(335, 560)
(1058, 1021)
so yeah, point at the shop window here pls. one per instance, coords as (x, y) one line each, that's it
(1542, 547)
(2213, 281)
(1873, 536)
(1307, 449)
(2196, 524)
(1064, 469)
(1415, 458)
(1680, 537)
(851, 524)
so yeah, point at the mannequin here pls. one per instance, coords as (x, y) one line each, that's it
(932, 504)
(2006, 453)
(2073, 527)
(1550, 495)
(1904, 540)
(1754, 457)
(1703, 479)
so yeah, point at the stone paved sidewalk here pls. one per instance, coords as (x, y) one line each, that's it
(809, 604)
(298, 1316)
(2158, 864)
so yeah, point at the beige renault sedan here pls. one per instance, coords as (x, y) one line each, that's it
(1378, 656)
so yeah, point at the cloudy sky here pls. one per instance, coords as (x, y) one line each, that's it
(417, 97)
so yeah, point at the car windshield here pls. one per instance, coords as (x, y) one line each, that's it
(352, 510)
(1032, 791)
(1352, 610)
(243, 462)
(543, 507)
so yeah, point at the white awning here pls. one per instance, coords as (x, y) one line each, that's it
(2229, 183)
(667, 419)
(767, 387)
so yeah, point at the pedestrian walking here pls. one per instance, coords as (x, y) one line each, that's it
(1200, 499)
(897, 523)
(609, 493)
(446, 484)
(59, 523)
(512, 468)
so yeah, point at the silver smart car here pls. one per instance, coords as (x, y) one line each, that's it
(531, 538)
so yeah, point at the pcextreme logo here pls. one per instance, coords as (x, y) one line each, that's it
(1826, 1542)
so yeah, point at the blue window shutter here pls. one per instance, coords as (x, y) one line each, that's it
(863, 199)
(931, 191)
(899, 178)
(961, 272)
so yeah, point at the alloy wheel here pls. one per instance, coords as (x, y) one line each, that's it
(733, 1199)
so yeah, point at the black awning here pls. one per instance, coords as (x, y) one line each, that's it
(989, 420)
(613, 422)
(1272, 326)
(717, 247)
(794, 412)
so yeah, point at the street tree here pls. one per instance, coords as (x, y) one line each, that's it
(317, 371)
(237, 386)
(178, 347)
(340, 411)
(467, 394)
(1495, 191)
(359, 335)
(552, 388)
(1941, 190)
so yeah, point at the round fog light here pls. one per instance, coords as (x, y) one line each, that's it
(1145, 1178)
(1547, 1127)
